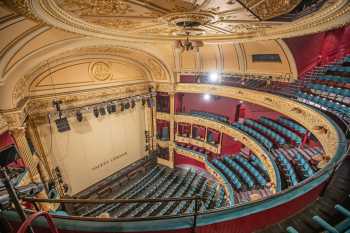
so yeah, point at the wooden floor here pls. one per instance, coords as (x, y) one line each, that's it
(337, 192)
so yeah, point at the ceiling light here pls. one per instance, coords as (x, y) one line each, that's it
(213, 77)
(206, 97)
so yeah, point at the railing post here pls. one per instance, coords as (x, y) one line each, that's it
(195, 214)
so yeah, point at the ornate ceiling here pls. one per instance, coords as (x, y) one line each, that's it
(169, 19)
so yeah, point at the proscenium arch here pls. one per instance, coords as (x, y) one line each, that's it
(318, 124)
(151, 64)
(55, 49)
(245, 139)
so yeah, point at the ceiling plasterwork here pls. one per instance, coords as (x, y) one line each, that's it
(166, 19)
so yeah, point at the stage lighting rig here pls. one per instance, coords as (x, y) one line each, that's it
(79, 116)
(62, 122)
(96, 112)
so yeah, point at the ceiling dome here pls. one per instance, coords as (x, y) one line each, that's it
(173, 19)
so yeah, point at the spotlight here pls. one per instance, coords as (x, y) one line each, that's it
(79, 116)
(111, 108)
(102, 111)
(133, 103)
(127, 105)
(213, 77)
(206, 97)
(62, 124)
(96, 112)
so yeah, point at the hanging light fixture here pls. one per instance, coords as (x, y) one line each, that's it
(79, 116)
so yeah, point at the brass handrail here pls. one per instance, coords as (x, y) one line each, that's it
(111, 201)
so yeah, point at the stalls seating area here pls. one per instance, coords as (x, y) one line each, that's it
(162, 182)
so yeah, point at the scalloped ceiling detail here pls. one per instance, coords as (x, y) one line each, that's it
(160, 19)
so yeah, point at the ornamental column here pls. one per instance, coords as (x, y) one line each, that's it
(29, 161)
(172, 128)
(24, 151)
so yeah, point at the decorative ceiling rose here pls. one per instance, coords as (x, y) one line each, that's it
(189, 19)
(214, 20)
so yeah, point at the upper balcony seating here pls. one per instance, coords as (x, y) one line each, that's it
(282, 130)
(338, 69)
(210, 116)
(301, 159)
(341, 109)
(332, 79)
(232, 177)
(263, 140)
(291, 124)
(341, 95)
(272, 134)
(256, 162)
(287, 169)
(251, 169)
(246, 178)
(247, 195)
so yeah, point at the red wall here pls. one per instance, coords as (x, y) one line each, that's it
(319, 48)
(230, 146)
(5, 141)
(181, 160)
(222, 106)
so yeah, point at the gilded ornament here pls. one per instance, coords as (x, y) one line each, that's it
(100, 70)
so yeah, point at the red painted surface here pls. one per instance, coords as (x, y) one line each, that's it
(230, 146)
(188, 102)
(5, 141)
(246, 224)
(321, 48)
(184, 160)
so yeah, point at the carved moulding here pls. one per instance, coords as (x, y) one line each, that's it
(163, 116)
(199, 143)
(333, 14)
(306, 116)
(245, 139)
(152, 66)
(3, 125)
(41, 106)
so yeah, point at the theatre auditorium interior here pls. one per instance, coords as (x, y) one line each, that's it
(174, 116)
